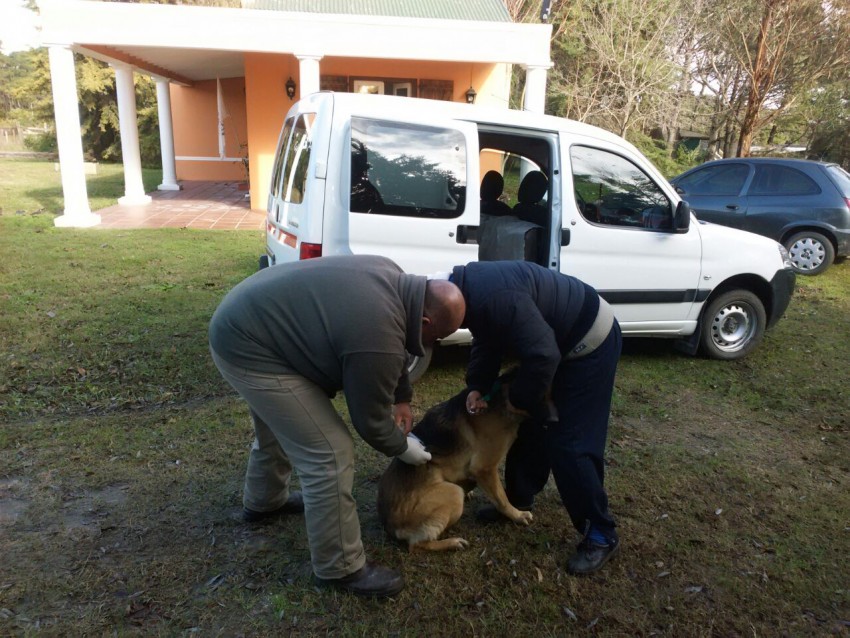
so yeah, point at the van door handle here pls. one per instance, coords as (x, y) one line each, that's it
(732, 206)
(466, 234)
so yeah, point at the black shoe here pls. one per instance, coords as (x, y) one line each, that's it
(370, 580)
(489, 514)
(590, 556)
(294, 505)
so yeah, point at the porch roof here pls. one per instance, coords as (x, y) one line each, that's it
(483, 10)
(192, 43)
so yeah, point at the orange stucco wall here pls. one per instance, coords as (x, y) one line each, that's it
(267, 101)
(195, 114)
(258, 103)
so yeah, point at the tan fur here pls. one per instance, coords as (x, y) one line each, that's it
(417, 504)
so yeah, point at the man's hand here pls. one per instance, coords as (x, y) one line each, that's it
(475, 404)
(403, 417)
(415, 454)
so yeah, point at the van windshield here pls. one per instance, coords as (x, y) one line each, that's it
(407, 170)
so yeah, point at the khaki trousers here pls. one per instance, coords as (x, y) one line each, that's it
(295, 424)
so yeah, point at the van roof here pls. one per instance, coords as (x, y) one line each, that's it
(470, 113)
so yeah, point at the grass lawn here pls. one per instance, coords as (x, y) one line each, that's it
(122, 453)
(35, 186)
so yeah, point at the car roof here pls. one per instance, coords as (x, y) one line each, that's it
(769, 160)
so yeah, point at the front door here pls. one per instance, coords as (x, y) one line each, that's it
(622, 242)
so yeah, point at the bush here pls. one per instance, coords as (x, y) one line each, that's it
(659, 154)
(42, 143)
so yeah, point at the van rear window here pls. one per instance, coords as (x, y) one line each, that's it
(407, 170)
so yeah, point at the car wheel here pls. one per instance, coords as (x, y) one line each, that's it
(732, 325)
(810, 252)
(416, 366)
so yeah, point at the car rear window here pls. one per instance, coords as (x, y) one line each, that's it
(782, 180)
(840, 178)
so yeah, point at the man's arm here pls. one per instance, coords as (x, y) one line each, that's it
(369, 382)
(534, 343)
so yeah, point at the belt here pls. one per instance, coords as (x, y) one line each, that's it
(597, 334)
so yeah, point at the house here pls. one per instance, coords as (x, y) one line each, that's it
(226, 77)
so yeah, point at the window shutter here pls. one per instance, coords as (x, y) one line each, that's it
(338, 83)
(436, 89)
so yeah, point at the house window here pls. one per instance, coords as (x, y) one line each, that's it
(403, 87)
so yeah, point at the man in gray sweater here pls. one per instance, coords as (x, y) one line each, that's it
(287, 339)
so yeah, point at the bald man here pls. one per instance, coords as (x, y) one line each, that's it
(287, 339)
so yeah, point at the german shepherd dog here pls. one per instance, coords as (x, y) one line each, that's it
(417, 503)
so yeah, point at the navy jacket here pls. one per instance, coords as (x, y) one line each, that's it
(519, 308)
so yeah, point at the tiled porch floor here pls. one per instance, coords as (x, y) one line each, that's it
(207, 205)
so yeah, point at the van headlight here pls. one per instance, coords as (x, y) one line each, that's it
(786, 258)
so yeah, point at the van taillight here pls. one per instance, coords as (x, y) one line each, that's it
(308, 251)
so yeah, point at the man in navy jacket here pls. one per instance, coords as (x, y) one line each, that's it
(568, 342)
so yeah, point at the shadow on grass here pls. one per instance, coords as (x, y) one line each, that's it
(103, 189)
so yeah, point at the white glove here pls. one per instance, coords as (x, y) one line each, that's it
(415, 454)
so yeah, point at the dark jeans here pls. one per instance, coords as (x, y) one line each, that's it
(572, 448)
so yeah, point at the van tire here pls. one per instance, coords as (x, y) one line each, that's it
(416, 366)
(264, 262)
(733, 324)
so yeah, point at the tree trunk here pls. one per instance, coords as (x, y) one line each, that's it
(759, 72)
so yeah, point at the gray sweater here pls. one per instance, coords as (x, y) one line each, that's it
(342, 322)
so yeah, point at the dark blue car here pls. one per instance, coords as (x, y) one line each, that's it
(803, 205)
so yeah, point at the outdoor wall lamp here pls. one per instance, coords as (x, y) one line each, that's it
(470, 95)
(290, 88)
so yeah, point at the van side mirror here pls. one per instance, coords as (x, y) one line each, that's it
(682, 218)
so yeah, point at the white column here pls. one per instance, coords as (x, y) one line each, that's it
(134, 189)
(166, 137)
(535, 89)
(77, 212)
(308, 69)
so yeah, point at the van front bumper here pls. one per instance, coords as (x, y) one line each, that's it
(782, 287)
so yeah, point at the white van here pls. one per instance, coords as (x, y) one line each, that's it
(402, 177)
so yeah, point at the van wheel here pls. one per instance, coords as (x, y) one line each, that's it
(810, 252)
(264, 262)
(733, 324)
(416, 366)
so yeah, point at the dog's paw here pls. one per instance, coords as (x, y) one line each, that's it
(459, 544)
(523, 517)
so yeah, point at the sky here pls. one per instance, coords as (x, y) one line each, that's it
(17, 27)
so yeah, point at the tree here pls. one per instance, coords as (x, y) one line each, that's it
(612, 63)
(794, 45)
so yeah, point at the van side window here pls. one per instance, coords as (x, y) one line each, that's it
(279, 157)
(611, 190)
(297, 158)
(407, 170)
